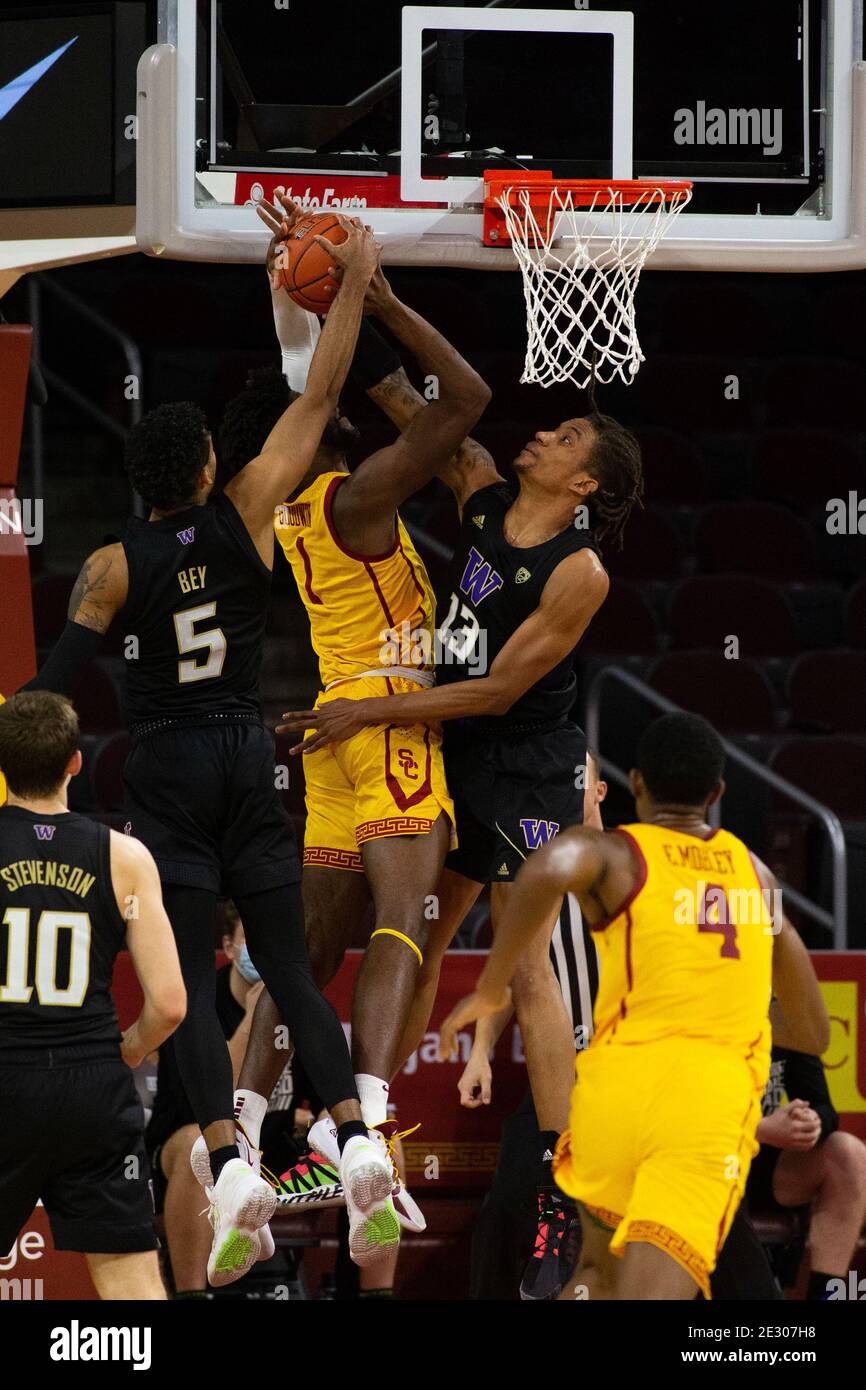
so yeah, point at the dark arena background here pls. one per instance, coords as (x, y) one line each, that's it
(740, 590)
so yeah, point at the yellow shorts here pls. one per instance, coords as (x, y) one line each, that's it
(384, 781)
(660, 1139)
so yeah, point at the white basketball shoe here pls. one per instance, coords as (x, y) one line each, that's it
(199, 1159)
(241, 1203)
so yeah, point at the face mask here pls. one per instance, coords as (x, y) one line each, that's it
(245, 966)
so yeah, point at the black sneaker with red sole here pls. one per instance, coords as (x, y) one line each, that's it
(557, 1247)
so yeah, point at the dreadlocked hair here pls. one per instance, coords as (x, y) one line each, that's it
(615, 463)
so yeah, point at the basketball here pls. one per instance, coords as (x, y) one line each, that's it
(306, 265)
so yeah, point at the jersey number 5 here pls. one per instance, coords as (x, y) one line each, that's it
(188, 640)
(715, 916)
(16, 989)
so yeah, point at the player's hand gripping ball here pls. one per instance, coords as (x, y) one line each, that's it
(305, 265)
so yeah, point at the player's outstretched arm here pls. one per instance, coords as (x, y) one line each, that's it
(291, 445)
(574, 862)
(799, 1015)
(573, 594)
(800, 1018)
(478, 1073)
(100, 592)
(366, 503)
(150, 941)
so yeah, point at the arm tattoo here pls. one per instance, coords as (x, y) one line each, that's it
(473, 455)
(397, 397)
(90, 603)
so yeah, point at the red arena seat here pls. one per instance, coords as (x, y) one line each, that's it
(856, 620)
(624, 623)
(708, 608)
(833, 770)
(693, 388)
(755, 538)
(651, 550)
(734, 695)
(805, 467)
(673, 466)
(815, 390)
(827, 690)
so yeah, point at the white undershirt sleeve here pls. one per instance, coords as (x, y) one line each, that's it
(298, 333)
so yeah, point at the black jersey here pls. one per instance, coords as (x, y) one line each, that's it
(197, 605)
(493, 587)
(60, 930)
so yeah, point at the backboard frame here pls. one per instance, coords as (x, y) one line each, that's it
(177, 218)
(416, 18)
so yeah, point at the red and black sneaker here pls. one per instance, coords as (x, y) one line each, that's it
(313, 1180)
(557, 1246)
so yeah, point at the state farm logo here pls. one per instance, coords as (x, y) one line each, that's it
(310, 201)
(29, 1246)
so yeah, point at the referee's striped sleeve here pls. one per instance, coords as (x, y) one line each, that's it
(575, 963)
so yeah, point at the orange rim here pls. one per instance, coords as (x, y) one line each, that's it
(583, 192)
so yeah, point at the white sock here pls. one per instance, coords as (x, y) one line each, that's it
(250, 1111)
(373, 1095)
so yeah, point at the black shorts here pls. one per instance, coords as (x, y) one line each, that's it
(202, 798)
(72, 1133)
(759, 1184)
(514, 787)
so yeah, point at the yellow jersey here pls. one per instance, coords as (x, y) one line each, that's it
(367, 612)
(690, 951)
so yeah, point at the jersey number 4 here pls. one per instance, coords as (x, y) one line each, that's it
(715, 916)
(188, 640)
(16, 990)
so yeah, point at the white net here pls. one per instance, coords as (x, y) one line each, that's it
(580, 315)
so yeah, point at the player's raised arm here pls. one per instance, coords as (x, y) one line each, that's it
(291, 445)
(801, 1021)
(100, 592)
(573, 594)
(577, 861)
(799, 1014)
(431, 437)
(151, 944)
(469, 469)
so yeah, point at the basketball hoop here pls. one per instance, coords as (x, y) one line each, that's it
(581, 247)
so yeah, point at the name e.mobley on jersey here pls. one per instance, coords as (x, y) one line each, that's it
(77, 1343)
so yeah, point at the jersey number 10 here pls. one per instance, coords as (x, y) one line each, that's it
(16, 990)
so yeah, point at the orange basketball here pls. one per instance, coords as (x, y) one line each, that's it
(305, 265)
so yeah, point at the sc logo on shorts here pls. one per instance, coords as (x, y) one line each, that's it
(408, 763)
